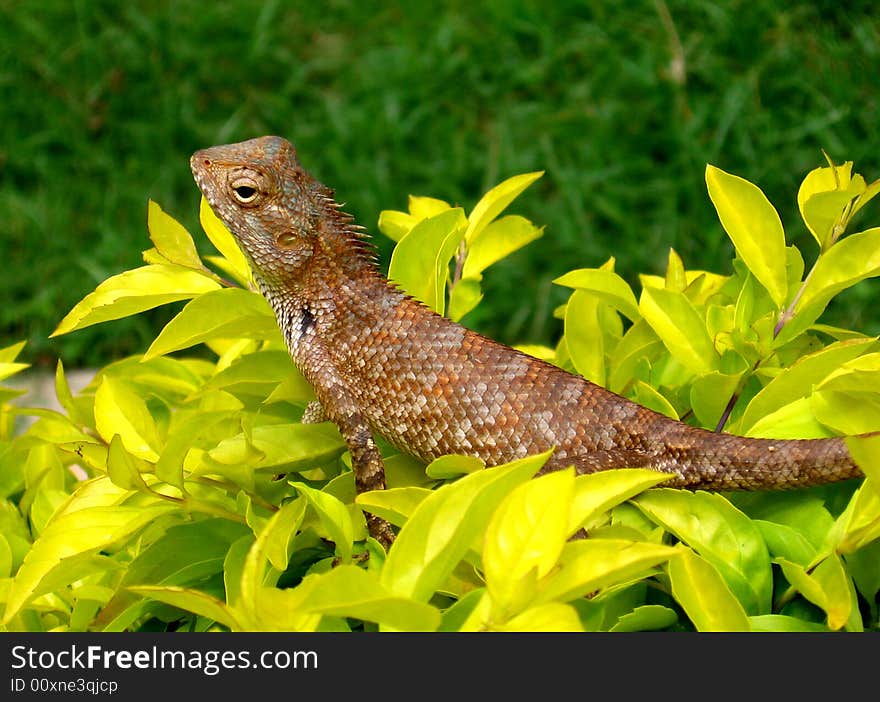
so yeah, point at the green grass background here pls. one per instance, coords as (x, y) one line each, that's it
(623, 104)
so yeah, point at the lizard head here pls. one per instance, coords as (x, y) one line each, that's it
(276, 211)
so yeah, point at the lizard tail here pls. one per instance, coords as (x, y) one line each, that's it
(704, 459)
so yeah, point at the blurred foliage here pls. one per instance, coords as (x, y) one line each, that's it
(622, 104)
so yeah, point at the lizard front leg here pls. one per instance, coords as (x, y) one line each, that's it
(369, 470)
(336, 404)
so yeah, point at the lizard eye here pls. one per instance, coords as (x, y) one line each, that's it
(245, 190)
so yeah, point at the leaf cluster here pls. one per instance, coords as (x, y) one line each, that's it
(184, 493)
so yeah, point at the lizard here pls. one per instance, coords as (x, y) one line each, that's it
(382, 363)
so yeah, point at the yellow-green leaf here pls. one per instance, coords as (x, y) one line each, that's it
(494, 202)
(583, 336)
(334, 518)
(849, 261)
(498, 240)
(445, 524)
(395, 505)
(702, 593)
(822, 196)
(349, 591)
(191, 600)
(753, 225)
(596, 493)
(221, 314)
(827, 586)
(120, 410)
(395, 224)
(607, 286)
(681, 329)
(525, 537)
(224, 242)
(420, 261)
(135, 291)
(553, 616)
(123, 468)
(171, 239)
(798, 381)
(587, 565)
(71, 537)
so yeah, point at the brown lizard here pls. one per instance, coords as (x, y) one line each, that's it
(381, 362)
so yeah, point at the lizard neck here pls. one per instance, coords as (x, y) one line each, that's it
(336, 291)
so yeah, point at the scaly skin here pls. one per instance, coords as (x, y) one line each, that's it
(382, 362)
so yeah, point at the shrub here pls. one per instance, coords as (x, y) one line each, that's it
(184, 493)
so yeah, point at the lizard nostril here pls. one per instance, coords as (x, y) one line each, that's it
(207, 162)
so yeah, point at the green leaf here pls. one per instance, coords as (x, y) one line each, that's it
(123, 468)
(781, 622)
(171, 239)
(495, 201)
(785, 542)
(848, 262)
(224, 242)
(9, 353)
(420, 261)
(422, 207)
(452, 466)
(395, 224)
(704, 595)
(281, 529)
(70, 539)
(822, 197)
(865, 451)
(349, 591)
(395, 505)
(184, 555)
(647, 618)
(676, 277)
(227, 313)
(827, 586)
(862, 566)
(334, 518)
(445, 524)
(281, 447)
(847, 412)
(591, 564)
(710, 394)
(269, 375)
(647, 396)
(552, 616)
(859, 524)
(498, 240)
(464, 296)
(7, 356)
(188, 430)
(65, 396)
(798, 381)
(722, 534)
(681, 328)
(607, 286)
(753, 225)
(583, 336)
(192, 601)
(525, 537)
(870, 192)
(596, 493)
(120, 410)
(135, 291)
